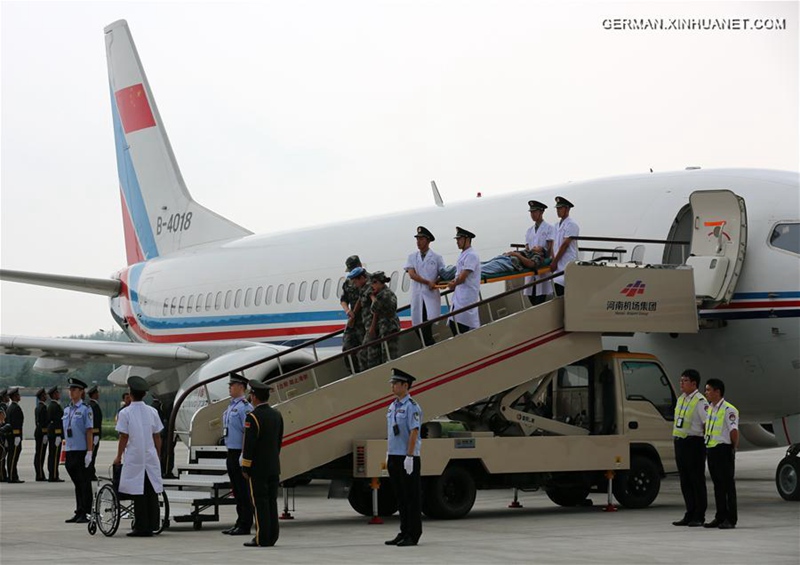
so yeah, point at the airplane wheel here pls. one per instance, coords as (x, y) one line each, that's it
(450, 495)
(787, 478)
(638, 487)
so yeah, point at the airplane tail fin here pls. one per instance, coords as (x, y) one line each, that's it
(158, 212)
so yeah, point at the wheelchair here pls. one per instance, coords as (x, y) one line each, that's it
(110, 506)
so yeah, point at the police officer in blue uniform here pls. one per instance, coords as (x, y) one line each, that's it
(403, 421)
(77, 425)
(233, 433)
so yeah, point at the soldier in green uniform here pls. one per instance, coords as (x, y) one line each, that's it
(16, 419)
(97, 419)
(384, 320)
(40, 434)
(261, 465)
(354, 330)
(54, 415)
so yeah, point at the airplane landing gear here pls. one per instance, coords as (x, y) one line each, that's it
(787, 475)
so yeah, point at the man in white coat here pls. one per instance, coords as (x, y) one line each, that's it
(423, 269)
(139, 430)
(565, 246)
(540, 234)
(466, 286)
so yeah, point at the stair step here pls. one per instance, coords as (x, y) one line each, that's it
(192, 480)
(205, 466)
(188, 496)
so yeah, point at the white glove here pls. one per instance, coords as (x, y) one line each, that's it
(408, 464)
(88, 459)
(241, 459)
(95, 440)
(58, 441)
(17, 440)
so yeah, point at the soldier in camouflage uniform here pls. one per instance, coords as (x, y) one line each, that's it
(362, 314)
(353, 334)
(384, 320)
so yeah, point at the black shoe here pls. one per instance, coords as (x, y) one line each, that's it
(251, 543)
(695, 524)
(82, 520)
(239, 532)
(72, 520)
(40, 480)
(229, 530)
(16, 482)
(682, 522)
(726, 526)
(405, 542)
(397, 539)
(55, 480)
(712, 524)
(135, 534)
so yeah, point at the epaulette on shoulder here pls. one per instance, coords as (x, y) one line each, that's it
(412, 401)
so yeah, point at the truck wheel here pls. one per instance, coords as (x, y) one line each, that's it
(787, 478)
(638, 487)
(566, 496)
(360, 498)
(450, 495)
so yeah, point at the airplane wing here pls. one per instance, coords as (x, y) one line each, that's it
(59, 355)
(105, 287)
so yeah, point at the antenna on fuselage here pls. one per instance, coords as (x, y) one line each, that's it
(437, 198)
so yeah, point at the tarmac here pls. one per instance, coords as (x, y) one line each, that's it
(32, 529)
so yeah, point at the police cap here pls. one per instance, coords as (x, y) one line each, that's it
(13, 390)
(461, 232)
(352, 262)
(563, 202)
(92, 389)
(357, 272)
(536, 205)
(399, 376)
(422, 231)
(76, 383)
(237, 379)
(380, 276)
(258, 385)
(52, 390)
(138, 384)
(40, 392)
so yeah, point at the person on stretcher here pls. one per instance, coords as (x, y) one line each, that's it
(509, 262)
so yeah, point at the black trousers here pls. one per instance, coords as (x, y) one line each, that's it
(264, 497)
(537, 299)
(92, 468)
(145, 509)
(690, 455)
(53, 457)
(426, 331)
(457, 328)
(241, 492)
(79, 474)
(3, 456)
(722, 468)
(39, 455)
(407, 489)
(12, 459)
(559, 289)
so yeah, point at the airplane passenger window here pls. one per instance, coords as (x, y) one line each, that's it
(218, 301)
(314, 290)
(301, 292)
(248, 297)
(290, 293)
(166, 307)
(787, 237)
(279, 295)
(406, 281)
(259, 294)
(326, 289)
(237, 299)
(173, 305)
(209, 298)
(393, 283)
(268, 296)
(189, 303)
(228, 296)
(340, 287)
(181, 304)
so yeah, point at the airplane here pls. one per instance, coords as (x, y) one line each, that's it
(201, 292)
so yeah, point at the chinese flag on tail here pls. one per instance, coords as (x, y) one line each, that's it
(134, 109)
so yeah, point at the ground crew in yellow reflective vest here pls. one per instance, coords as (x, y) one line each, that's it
(722, 439)
(690, 450)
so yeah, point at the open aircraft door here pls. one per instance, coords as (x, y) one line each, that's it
(718, 243)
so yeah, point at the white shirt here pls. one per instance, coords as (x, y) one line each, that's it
(730, 420)
(538, 237)
(469, 291)
(428, 268)
(566, 228)
(697, 426)
(140, 422)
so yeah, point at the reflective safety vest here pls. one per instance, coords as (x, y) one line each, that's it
(716, 418)
(684, 411)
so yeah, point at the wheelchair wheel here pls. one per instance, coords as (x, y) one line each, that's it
(106, 510)
(163, 513)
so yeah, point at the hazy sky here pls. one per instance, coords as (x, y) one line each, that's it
(288, 114)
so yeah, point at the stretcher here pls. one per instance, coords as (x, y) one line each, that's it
(507, 275)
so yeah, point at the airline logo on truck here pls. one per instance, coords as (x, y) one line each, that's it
(633, 289)
(632, 307)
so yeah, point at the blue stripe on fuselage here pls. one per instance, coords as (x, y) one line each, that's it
(130, 188)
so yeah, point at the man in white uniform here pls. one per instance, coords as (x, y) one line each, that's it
(466, 286)
(423, 269)
(139, 430)
(540, 234)
(565, 246)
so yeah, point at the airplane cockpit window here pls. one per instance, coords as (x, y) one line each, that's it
(268, 296)
(314, 290)
(301, 292)
(259, 296)
(326, 289)
(786, 236)
(290, 292)
(248, 297)
(237, 299)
